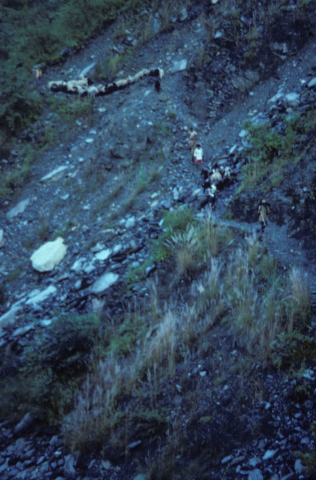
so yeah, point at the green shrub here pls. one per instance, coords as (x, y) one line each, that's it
(53, 365)
(293, 348)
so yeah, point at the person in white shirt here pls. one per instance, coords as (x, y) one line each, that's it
(198, 156)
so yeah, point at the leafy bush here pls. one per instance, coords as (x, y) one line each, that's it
(36, 33)
(52, 369)
(67, 346)
(293, 348)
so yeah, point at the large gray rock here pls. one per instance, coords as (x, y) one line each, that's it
(1, 238)
(49, 255)
(19, 208)
(104, 282)
(55, 174)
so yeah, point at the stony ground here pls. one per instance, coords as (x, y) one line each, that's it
(99, 155)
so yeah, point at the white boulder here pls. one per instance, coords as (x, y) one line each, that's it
(49, 255)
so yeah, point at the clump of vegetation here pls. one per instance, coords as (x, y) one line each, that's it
(44, 378)
(150, 347)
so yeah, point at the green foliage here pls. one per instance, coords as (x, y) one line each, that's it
(269, 152)
(178, 220)
(122, 342)
(161, 129)
(174, 222)
(309, 458)
(150, 423)
(11, 180)
(52, 367)
(71, 110)
(36, 33)
(67, 346)
(293, 348)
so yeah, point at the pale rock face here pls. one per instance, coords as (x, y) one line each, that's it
(49, 255)
(104, 282)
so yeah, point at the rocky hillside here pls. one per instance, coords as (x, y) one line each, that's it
(148, 329)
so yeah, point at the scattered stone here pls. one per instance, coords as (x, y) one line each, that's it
(98, 247)
(269, 454)
(69, 470)
(254, 461)
(104, 282)
(37, 296)
(134, 444)
(183, 15)
(24, 424)
(130, 222)
(292, 99)
(179, 66)
(298, 466)
(19, 332)
(312, 83)
(78, 265)
(104, 254)
(19, 208)
(87, 70)
(49, 255)
(9, 317)
(255, 475)
(55, 175)
(106, 464)
(227, 459)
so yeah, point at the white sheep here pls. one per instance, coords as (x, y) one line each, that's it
(56, 85)
(216, 176)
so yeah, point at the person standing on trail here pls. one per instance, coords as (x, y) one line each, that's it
(192, 142)
(38, 74)
(263, 212)
(198, 156)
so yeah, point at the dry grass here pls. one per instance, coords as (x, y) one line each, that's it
(230, 287)
(185, 245)
(299, 299)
